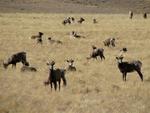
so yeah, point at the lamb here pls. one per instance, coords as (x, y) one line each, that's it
(25, 68)
(109, 42)
(71, 67)
(97, 52)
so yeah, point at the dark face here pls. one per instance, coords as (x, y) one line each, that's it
(119, 59)
(5, 65)
(40, 33)
(49, 38)
(26, 63)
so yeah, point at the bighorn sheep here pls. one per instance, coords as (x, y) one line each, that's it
(130, 14)
(75, 35)
(55, 75)
(54, 41)
(97, 52)
(25, 68)
(128, 67)
(71, 67)
(16, 58)
(109, 42)
(38, 37)
(145, 15)
(94, 21)
(81, 20)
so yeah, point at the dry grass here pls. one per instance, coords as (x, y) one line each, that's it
(96, 87)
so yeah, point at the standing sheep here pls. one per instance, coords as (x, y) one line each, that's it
(130, 14)
(55, 75)
(128, 67)
(97, 52)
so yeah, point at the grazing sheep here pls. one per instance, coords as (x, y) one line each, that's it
(81, 20)
(109, 42)
(55, 75)
(16, 58)
(54, 41)
(95, 21)
(130, 14)
(71, 67)
(97, 52)
(38, 37)
(25, 68)
(145, 15)
(128, 67)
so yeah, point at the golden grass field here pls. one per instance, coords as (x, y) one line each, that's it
(96, 86)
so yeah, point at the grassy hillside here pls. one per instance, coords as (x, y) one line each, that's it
(74, 6)
(96, 87)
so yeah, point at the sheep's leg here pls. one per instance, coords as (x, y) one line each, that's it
(103, 57)
(125, 75)
(64, 80)
(51, 86)
(13, 65)
(59, 84)
(140, 74)
(55, 85)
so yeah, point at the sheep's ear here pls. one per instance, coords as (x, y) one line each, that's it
(117, 58)
(67, 60)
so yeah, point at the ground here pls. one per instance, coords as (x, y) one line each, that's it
(96, 87)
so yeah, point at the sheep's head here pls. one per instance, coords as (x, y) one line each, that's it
(119, 59)
(5, 65)
(94, 47)
(26, 64)
(52, 63)
(49, 38)
(70, 61)
(40, 33)
(124, 49)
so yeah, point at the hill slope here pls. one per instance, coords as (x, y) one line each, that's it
(75, 6)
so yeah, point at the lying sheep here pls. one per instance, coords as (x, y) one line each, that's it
(75, 35)
(28, 69)
(71, 67)
(109, 42)
(54, 41)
